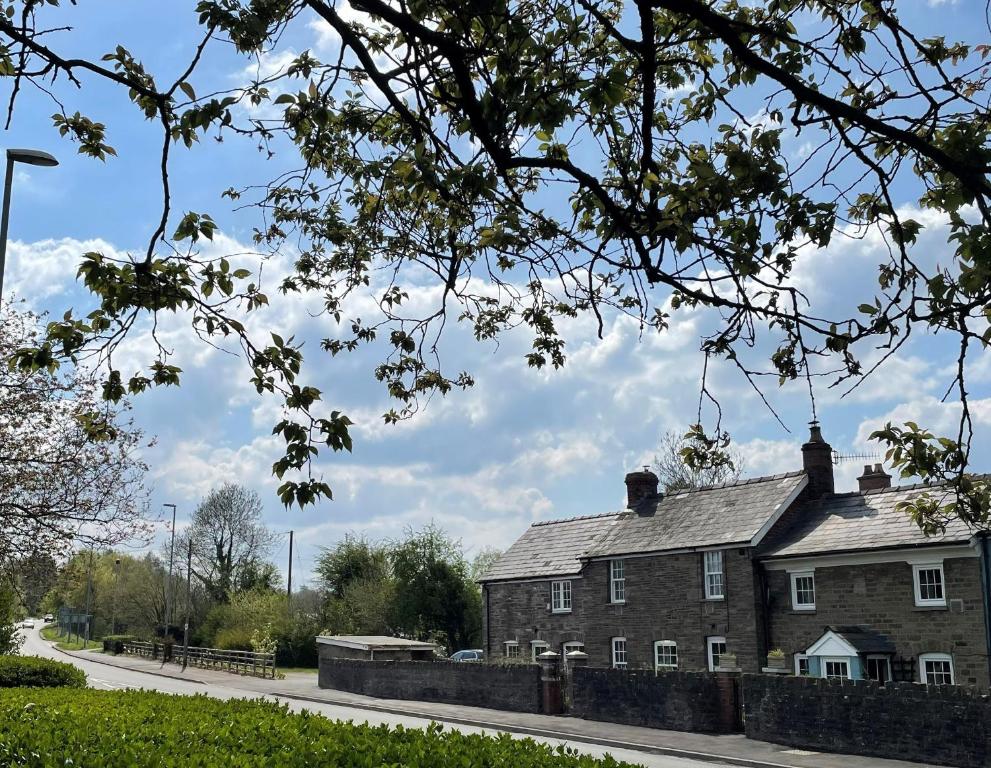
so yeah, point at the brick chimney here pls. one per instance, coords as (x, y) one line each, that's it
(817, 460)
(873, 479)
(639, 486)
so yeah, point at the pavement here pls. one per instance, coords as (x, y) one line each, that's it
(647, 746)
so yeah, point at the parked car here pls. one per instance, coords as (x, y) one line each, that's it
(49, 618)
(475, 654)
(28, 623)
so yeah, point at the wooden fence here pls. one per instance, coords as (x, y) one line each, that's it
(240, 662)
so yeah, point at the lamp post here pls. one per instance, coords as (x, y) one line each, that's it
(113, 630)
(28, 157)
(168, 585)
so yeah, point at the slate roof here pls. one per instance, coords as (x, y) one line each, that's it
(850, 522)
(864, 639)
(720, 514)
(550, 548)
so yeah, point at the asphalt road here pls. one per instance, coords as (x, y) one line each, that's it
(106, 677)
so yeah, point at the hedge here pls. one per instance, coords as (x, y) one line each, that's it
(115, 643)
(35, 672)
(120, 729)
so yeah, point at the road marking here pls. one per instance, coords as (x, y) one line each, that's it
(110, 685)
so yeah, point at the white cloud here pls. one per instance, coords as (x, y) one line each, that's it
(47, 268)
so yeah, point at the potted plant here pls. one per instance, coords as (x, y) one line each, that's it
(727, 661)
(776, 659)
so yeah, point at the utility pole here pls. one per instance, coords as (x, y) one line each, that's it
(185, 632)
(289, 580)
(168, 585)
(89, 596)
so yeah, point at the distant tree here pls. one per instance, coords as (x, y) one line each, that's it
(34, 575)
(366, 607)
(435, 596)
(677, 474)
(230, 543)
(122, 586)
(351, 560)
(483, 561)
(71, 473)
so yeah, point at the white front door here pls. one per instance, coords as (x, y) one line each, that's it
(715, 647)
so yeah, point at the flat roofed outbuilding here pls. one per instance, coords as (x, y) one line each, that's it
(374, 647)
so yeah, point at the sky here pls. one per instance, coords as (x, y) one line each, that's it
(521, 445)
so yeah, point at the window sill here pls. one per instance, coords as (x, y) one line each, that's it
(714, 599)
(800, 611)
(561, 611)
(616, 602)
(934, 607)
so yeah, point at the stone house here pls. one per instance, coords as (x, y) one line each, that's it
(845, 584)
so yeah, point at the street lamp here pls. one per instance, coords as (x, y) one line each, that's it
(116, 592)
(168, 586)
(28, 157)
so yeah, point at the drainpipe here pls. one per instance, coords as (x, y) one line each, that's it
(764, 620)
(487, 621)
(984, 546)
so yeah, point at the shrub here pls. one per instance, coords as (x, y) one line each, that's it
(115, 643)
(35, 672)
(119, 729)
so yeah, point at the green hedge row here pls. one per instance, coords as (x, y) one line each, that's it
(35, 672)
(125, 729)
(115, 643)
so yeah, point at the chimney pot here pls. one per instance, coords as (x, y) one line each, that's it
(874, 479)
(640, 486)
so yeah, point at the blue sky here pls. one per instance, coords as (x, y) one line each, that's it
(521, 445)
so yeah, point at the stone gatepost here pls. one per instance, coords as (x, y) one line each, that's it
(728, 684)
(550, 682)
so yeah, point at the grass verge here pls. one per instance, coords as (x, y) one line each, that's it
(63, 642)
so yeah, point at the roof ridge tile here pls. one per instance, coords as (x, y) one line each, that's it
(573, 519)
(737, 483)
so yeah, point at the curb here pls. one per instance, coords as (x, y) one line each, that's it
(121, 666)
(653, 749)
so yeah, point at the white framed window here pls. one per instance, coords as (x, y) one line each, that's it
(802, 668)
(803, 591)
(936, 668)
(537, 647)
(512, 649)
(665, 654)
(572, 645)
(561, 597)
(877, 668)
(617, 581)
(714, 582)
(928, 578)
(835, 668)
(714, 647)
(619, 653)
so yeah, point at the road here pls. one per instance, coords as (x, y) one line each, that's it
(107, 677)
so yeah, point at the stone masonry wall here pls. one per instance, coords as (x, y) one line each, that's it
(509, 687)
(520, 611)
(882, 597)
(664, 601)
(945, 726)
(678, 701)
